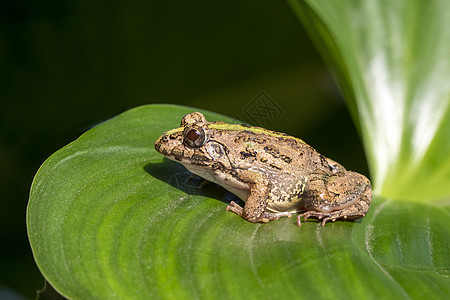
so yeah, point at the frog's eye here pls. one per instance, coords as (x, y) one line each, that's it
(194, 136)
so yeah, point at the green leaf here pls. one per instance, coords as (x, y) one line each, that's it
(110, 218)
(392, 61)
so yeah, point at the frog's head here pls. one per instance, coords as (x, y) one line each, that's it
(191, 143)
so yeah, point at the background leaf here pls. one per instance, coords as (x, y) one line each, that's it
(392, 61)
(110, 218)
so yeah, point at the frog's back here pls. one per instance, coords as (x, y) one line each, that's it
(268, 150)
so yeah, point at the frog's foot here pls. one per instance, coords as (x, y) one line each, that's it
(269, 216)
(315, 214)
(264, 218)
(236, 208)
(346, 214)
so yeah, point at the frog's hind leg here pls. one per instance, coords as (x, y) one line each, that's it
(345, 195)
(355, 211)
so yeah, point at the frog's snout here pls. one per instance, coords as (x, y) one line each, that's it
(159, 142)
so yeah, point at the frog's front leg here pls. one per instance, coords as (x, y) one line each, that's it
(344, 195)
(255, 206)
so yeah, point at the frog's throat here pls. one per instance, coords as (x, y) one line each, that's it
(225, 180)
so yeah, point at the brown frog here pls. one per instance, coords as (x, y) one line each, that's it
(273, 173)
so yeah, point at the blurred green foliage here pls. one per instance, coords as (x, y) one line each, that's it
(68, 65)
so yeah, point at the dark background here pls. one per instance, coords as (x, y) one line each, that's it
(67, 65)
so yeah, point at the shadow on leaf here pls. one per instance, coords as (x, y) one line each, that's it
(179, 177)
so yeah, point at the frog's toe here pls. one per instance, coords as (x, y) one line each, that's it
(299, 221)
(234, 207)
(332, 219)
(314, 214)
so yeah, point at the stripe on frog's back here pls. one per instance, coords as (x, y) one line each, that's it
(252, 130)
(245, 129)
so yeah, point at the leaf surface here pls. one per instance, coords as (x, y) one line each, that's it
(111, 218)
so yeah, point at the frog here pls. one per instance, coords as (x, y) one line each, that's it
(274, 174)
